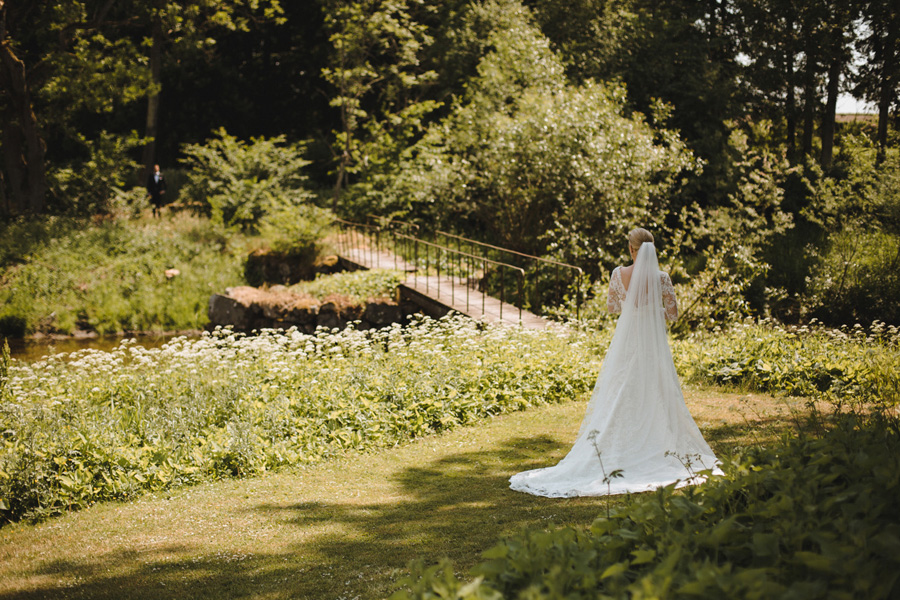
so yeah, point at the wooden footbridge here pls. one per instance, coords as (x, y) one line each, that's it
(449, 273)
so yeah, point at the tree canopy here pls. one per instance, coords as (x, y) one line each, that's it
(549, 126)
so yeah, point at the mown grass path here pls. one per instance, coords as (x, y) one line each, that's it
(343, 529)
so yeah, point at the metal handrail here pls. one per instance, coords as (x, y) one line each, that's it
(371, 231)
(471, 257)
(578, 270)
(507, 250)
(354, 226)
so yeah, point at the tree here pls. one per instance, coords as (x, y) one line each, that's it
(60, 61)
(23, 148)
(770, 40)
(188, 24)
(534, 163)
(680, 52)
(878, 79)
(838, 37)
(377, 77)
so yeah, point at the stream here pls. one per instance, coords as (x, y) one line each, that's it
(33, 349)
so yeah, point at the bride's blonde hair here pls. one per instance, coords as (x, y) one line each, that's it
(638, 236)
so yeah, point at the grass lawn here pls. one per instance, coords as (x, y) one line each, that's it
(346, 528)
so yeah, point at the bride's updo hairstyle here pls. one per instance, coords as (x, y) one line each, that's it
(638, 236)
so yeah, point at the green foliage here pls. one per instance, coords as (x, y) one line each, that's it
(357, 286)
(376, 72)
(93, 425)
(536, 164)
(100, 73)
(810, 361)
(94, 186)
(62, 275)
(242, 182)
(715, 255)
(291, 228)
(856, 277)
(811, 518)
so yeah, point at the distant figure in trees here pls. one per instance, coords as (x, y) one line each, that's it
(637, 434)
(156, 185)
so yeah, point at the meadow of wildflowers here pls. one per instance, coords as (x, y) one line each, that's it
(95, 425)
(87, 426)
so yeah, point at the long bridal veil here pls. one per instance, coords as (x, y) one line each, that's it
(636, 423)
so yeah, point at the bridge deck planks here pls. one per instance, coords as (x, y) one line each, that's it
(452, 294)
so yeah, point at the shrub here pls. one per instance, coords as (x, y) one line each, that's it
(94, 186)
(855, 276)
(244, 182)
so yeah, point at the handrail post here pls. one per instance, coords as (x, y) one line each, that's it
(521, 285)
(484, 278)
(557, 285)
(468, 273)
(502, 288)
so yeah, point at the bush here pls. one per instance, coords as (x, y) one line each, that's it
(812, 518)
(242, 182)
(856, 276)
(857, 279)
(94, 186)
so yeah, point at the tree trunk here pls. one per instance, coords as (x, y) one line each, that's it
(834, 77)
(150, 131)
(791, 109)
(888, 87)
(810, 95)
(809, 115)
(23, 148)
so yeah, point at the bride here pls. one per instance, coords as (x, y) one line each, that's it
(637, 433)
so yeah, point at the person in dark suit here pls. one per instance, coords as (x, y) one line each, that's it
(156, 185)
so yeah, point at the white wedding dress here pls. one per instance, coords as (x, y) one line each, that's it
(636, 423)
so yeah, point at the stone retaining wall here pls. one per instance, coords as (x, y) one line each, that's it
(246, 308)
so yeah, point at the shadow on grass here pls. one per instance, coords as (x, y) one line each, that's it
(729, 438)
(455, 506)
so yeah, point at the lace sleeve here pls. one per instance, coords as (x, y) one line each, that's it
(668, 297)
(616, 293)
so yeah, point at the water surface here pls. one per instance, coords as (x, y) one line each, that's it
(30, 350)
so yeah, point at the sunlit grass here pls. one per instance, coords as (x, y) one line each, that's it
(344, 528)
(114, 276)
